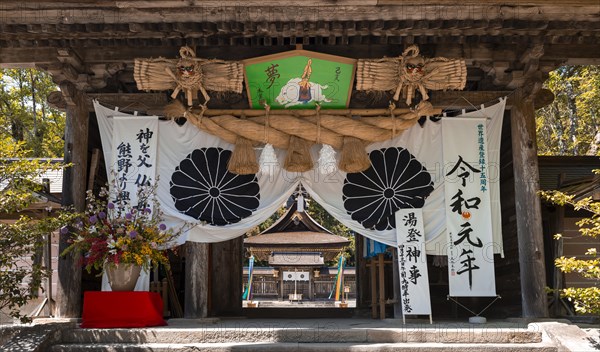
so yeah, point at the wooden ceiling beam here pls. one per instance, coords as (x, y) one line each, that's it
(471, 52)
(34, 12)
(154, 103)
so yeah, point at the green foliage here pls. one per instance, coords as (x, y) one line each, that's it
(267, 223)
(21, 272)
(570, 125)
(585, 300)
(260, 228)
(25, 115)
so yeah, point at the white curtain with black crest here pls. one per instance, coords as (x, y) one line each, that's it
(406, 172)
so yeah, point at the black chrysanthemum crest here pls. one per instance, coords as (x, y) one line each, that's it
(202, 188)
(395, 180)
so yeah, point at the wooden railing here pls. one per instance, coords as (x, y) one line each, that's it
(269, 287)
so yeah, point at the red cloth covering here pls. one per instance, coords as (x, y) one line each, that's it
(122, 309)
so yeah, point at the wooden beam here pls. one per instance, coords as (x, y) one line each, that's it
(68, 302)
(451, 100)
(154, 103)
(196, 280)
(529, 215)
(311, 10)
(129, 102)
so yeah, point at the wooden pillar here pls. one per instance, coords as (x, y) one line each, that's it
(558, 252)
(381, 276)
(529, 216)
(310, 284)
(362, 274)
(68, 300)
(373, 281)
(226, 286)
(280, 283)
(396, 285)
(196, 280)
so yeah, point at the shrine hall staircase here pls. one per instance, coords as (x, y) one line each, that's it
(309, 335)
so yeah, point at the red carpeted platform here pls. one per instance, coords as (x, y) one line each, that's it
(122, 309)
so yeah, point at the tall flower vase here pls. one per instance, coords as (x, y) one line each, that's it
(123, 276)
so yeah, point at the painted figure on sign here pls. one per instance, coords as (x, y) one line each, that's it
(304, 95)
(301, 91)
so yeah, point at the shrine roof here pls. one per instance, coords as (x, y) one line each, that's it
(303, 238)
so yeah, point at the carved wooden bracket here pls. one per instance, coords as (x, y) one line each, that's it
(70, 67)
(57, 100)
(70, 93)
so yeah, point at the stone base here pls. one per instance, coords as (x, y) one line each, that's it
(189, 322)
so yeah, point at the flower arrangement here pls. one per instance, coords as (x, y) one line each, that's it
(108, 233)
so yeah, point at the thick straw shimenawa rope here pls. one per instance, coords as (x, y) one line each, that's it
(334, 129)
(408, 73)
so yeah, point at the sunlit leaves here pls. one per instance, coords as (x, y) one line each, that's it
(20, 275)
(25, 115)
(570, 125)
(585, 300)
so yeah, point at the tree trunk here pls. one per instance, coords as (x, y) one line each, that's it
(529, 218)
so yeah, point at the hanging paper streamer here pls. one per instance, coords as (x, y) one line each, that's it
(327, 162)
(268, 160)
(248, 292)
(300, 201)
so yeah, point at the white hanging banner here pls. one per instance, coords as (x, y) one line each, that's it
(134, 154)
(412, 262)
(468, 214)
(134, 159)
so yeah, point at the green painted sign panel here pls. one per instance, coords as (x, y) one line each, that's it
(299, 79)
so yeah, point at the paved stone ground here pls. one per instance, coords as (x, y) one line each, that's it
(593, 336)
(565, 336)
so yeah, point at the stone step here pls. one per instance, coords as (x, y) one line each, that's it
(301, 347)
(324, 334)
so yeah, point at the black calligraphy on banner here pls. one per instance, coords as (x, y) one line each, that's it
(406, 307)
(482, 158)
(412, 263)
(143, 137)
(461, 204)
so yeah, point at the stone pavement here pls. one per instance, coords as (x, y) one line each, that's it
(308, 334)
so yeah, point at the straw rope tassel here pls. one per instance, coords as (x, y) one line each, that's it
(268, 159)
(243, 158)
(354, 157)
(298, 157)
(327, 162)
